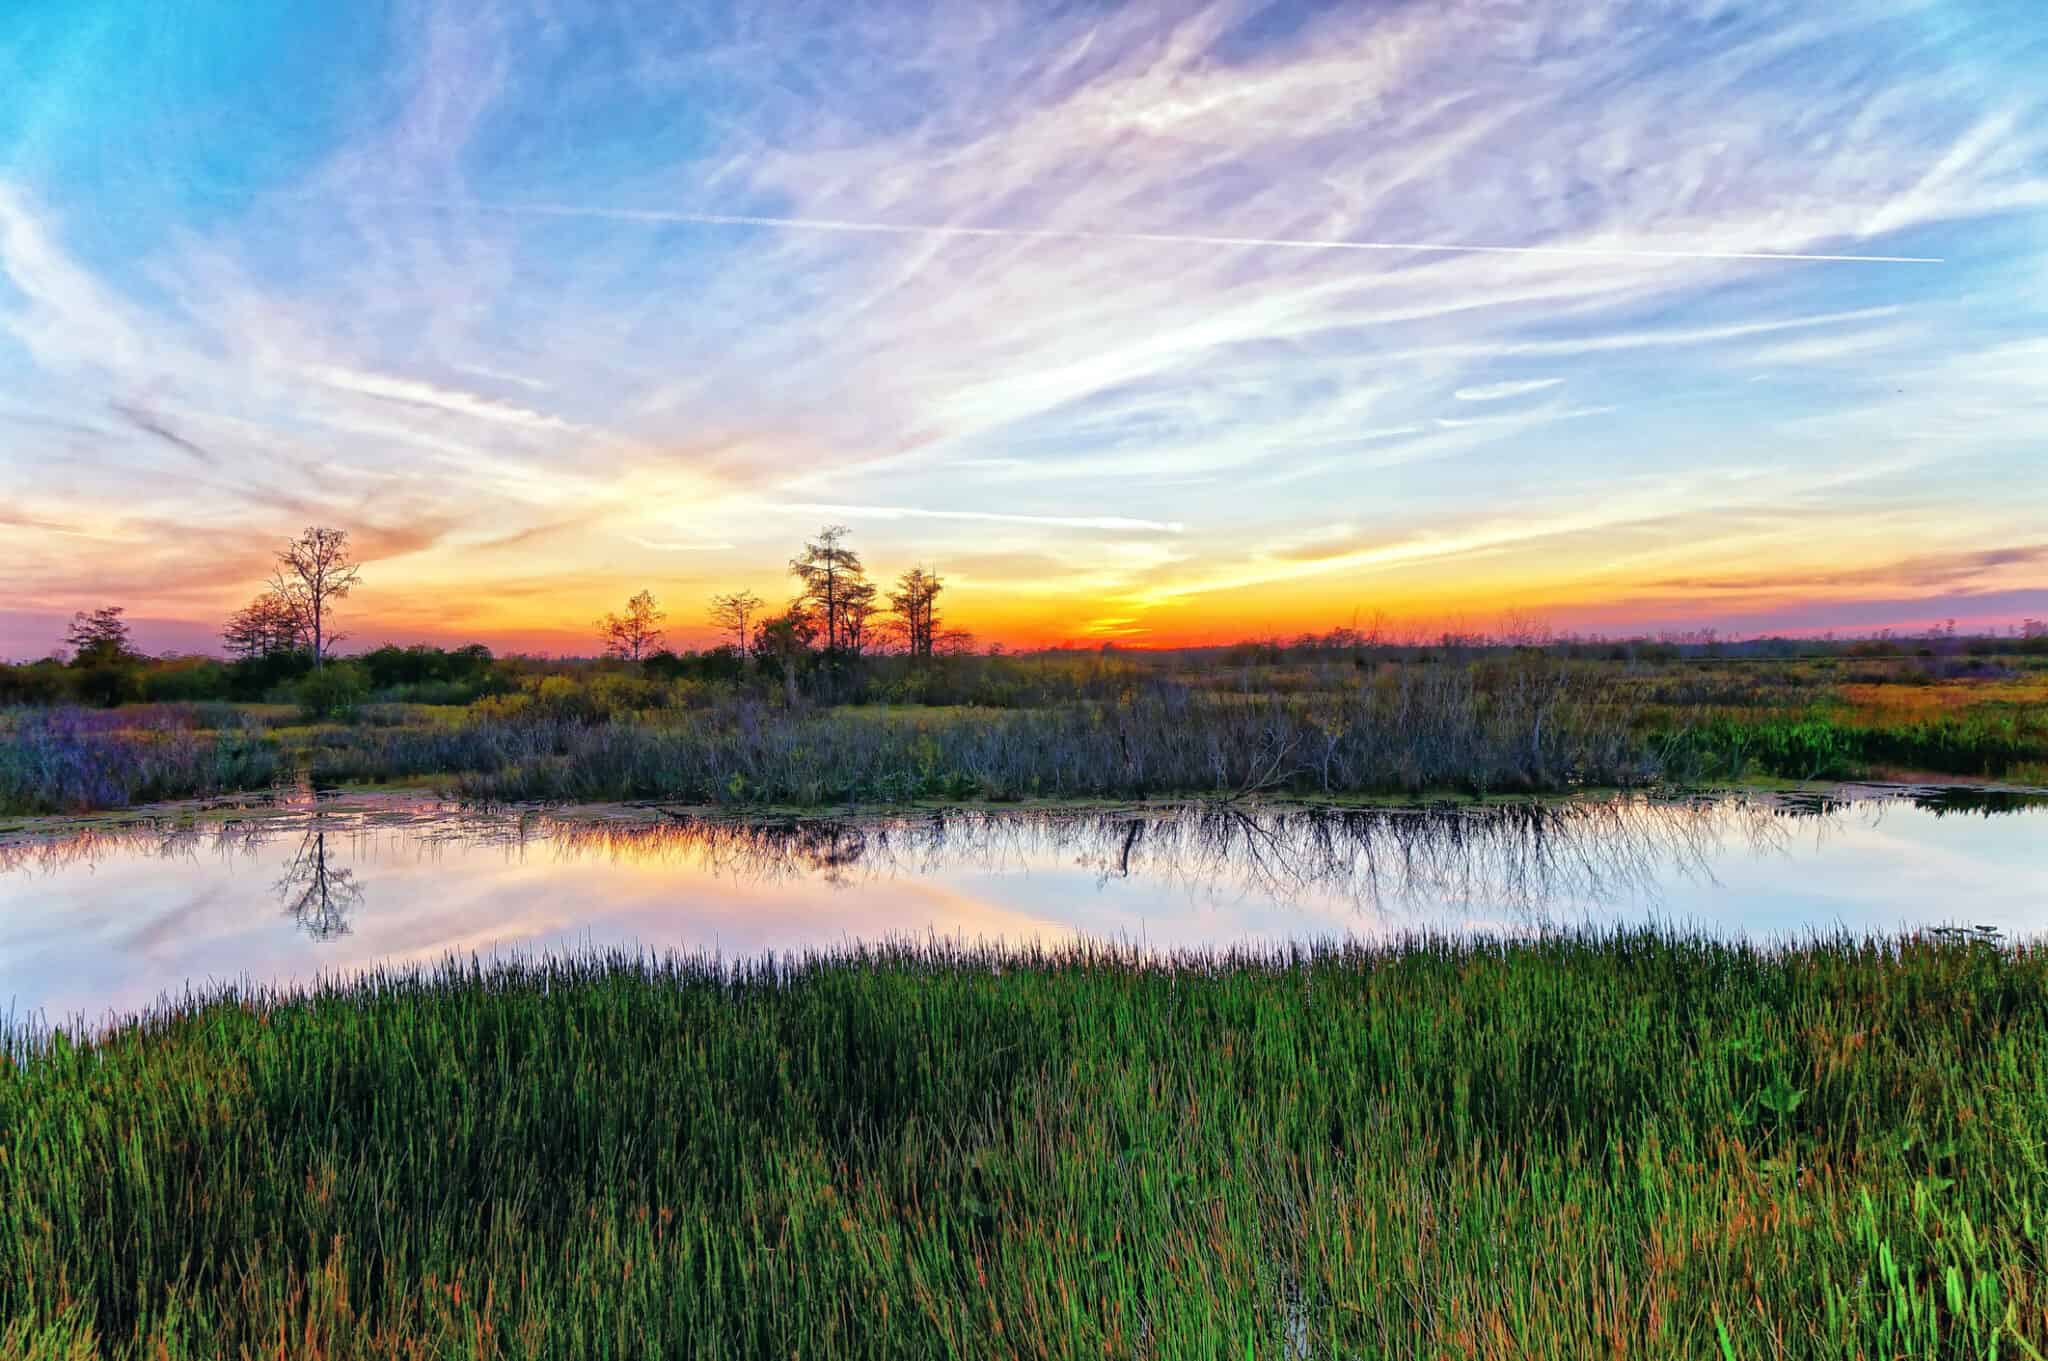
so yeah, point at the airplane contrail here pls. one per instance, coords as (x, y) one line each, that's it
(830, 224)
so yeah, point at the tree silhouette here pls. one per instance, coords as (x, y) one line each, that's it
(99, 637)
(637, 632)
(857, 610)
(265, 627)
(914, 603)
(313, 571)
(828, 570)
(733, 612)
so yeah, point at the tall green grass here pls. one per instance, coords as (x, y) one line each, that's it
(1825, 746)
(1638, 1145)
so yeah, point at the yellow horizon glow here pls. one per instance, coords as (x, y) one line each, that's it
(1406, 586)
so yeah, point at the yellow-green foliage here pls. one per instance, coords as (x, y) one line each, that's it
(598, 698)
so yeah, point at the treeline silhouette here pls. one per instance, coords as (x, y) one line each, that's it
(108, 671)
(842, 638)
(828, 644)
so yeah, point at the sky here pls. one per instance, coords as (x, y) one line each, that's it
(1148, 323)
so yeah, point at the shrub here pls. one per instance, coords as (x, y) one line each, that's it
(44, 682)
(332, 691)
(108, 684)
(501, 708)
(187, 679)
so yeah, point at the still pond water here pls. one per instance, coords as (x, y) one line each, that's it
(111, 916)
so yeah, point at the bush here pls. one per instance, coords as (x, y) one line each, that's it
(443, 692)
(332, 691)
(254, 678)
(109, 684)
(624, 696)
(44, 682)
(186, 680)
(391, 666)
(500, 708)
(599, 699)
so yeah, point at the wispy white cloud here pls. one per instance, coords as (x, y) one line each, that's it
(1494, 392)
(68, 319)
(453, 400)
(1113, 522)
(501, 376)
(1854, 345)
(1523, 419)
(1694, 497)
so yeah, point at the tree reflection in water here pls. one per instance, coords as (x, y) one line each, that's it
(317, 895)
(1529, 862)
(1524, 857)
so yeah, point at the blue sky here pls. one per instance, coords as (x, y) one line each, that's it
(548, 301)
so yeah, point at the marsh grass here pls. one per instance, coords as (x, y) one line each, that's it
(1497, 725)
(74, 760)
(1637, 1145)
(1538, 729)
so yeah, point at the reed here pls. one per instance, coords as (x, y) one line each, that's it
(1515, 724)
(1536, 729)
(71, 760)
(1637, 1144)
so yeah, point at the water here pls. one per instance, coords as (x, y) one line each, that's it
(112, 915)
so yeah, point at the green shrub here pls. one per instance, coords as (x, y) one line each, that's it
(44, 682)
(187, 680)
(108, 684)
(331, 692)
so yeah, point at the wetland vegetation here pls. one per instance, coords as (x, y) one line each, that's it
(1629, 1144)
(1313, 719)
(1595, 1141)
(839, 700)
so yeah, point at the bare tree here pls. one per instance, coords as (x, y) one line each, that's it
(826, 569)
(857, 610)
(1524, 628)
(913, 602)
(636, 633)
(733, 612)
(313, 571)
(265, 627)
(99, 635)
